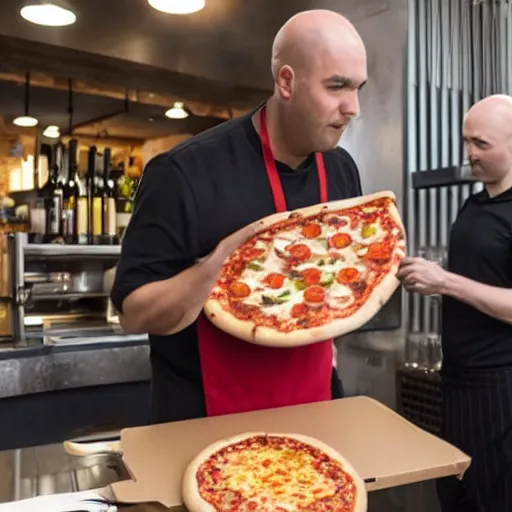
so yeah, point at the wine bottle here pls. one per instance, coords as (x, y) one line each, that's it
(89, 188)
(82, 213)
(71, 193)
(109, 227)
(94, 196)
(52, 192)
(97, 200)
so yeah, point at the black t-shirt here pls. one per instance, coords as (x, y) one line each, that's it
(481, 250)
(189, 199)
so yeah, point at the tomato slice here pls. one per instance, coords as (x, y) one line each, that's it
(238, 266)
(314, 295)
(240, 290)
(311, 276)
(347, 275)
(340, 240)
(311, 231)
(274, 281)
(299, 310)
(379, 251)
(299, 252)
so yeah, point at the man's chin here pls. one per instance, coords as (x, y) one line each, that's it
(325, 148)
(483, 177)
(477, 173)
(329, 145)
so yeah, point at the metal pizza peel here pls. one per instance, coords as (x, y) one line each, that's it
(110, 451)
(113, 453)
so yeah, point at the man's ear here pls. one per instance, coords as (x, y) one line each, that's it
(284, 81)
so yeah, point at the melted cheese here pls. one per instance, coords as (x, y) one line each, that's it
(260, 245)
(281, 243)
(338, 296)
(318, 247)
(276, 478)
(258, 289)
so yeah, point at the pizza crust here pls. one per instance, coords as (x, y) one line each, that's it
(333, 206)
(248, 331)
(195, 503)
(382, 292)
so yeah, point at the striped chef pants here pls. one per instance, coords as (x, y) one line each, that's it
(477, 419)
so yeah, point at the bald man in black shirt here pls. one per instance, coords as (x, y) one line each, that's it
(190, 211)
(477, 317)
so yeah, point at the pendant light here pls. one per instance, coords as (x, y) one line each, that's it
(70, 107)
(177, 6)
(26, 121)
(48, 15)
(52, 132)
(177, 111)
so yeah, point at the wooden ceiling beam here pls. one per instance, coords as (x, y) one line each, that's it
(46, 80)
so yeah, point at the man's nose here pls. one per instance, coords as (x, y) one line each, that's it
(471, 151)
(350, 106)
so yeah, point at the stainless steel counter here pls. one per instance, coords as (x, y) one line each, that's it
(45, 368)
(49, 393)
(46, 470)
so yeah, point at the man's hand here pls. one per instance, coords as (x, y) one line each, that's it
(232, 242)
(422, 276)
(428, 278)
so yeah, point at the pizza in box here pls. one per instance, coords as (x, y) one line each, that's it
(265, 472)
(311, 274)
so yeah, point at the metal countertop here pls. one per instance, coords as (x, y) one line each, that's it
(46, 470)
(41, 368)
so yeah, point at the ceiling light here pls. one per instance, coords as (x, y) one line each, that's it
(25, 121)
(177, 6)
(48, 14)
(177, 111)
(52, 132)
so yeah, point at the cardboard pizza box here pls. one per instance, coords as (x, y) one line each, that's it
(384, 448)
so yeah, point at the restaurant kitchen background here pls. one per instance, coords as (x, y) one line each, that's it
(123, 84)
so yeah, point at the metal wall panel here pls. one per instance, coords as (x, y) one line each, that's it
(459, 52)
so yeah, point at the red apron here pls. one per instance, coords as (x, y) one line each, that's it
(240, 376)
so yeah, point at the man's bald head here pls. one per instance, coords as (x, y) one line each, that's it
(319, 66)
(488, 138)
(494, 113)
(305, 36)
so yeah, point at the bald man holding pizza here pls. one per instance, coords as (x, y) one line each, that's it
(201, 200)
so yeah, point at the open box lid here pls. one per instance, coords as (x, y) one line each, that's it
(384, 448)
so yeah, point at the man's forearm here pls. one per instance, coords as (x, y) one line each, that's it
(169, 306)
(491, 300)
(166, 307)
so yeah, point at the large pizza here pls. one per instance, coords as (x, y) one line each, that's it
(272, 473)
(311, 274)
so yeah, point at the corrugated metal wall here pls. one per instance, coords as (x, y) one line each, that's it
(459, 51)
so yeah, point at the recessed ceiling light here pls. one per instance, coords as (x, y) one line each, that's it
(177, 111)
(25, 121)
(49, 15)
(177, 6)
